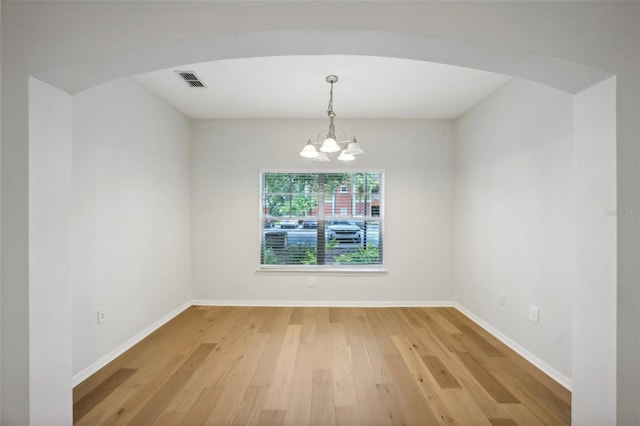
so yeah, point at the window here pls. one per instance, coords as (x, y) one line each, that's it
(302, 229)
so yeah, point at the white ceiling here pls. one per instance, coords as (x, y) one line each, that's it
(295, 87)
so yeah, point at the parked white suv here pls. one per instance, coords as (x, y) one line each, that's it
(345, 231)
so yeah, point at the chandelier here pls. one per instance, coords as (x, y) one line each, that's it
(330, 144)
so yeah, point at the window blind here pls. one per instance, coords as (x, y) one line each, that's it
(333, 219)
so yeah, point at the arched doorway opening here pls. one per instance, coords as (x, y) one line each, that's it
(584, 82)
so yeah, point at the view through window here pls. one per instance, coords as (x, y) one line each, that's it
(322, 219)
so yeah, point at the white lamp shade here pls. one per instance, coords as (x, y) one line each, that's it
(354, 148)
(309, 151)
(329, 145)
(345, 156)
(322, 157)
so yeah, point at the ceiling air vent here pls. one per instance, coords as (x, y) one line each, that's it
(190, 78)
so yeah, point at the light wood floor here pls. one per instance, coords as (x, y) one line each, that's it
(333, 366)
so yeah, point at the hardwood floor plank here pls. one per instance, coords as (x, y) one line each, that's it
(435, 316)
(121, 407)
(515, 364)
(503, 422)
(342, 366)
(418, 411)
(271, 354)
(425, 382)
(271, 418)
(347, 416)
(281, 380)
(490, 383)
(363, 335)
(522, 415)
(483, 344)
(391, 404)
(228, 401)
(442, 375)
(169, 419)
(544, 408)
(336, 315)
(221, 365)
(452, 404)
(202, 407)
(466, 407)
(250, 407)
(322, 342)
(100, 392)
(273, 318)
(215, 372)
(379, 332)
(323, 411)
(445, 338)
(547, 390)
(109, 409)
(296, 316)
(154, 407)
(308, 328)
(550, 405)
(201, 321)
(369, 409)
(299, 403)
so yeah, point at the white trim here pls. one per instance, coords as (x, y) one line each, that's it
(546, 368)
(106, 359)
(325, 303)
(319, 270)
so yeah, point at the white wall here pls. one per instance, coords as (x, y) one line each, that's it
(49, 276)
(514, 217)
(130, 242)
(0, 210)
(417, 159)
(596, 220)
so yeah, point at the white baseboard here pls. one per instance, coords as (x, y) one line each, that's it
(546, 368)
(106, 359)
(325, 303)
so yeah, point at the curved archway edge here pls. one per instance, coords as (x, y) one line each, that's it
(561, 74)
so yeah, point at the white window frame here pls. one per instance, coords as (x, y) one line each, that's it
(323, 269)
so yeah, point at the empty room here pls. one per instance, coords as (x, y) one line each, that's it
(211, 218)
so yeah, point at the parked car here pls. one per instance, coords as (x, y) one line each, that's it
(288, 224)
(345, 231)
(309, 224)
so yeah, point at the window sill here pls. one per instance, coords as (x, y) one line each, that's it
(322, 271)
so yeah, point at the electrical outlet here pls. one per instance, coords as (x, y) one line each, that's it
(500, 299)
(534, 314)
(311, 282)
(102, 316)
